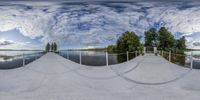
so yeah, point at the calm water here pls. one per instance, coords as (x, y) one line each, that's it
(196, 55)
(98, 58)
(95, 58)
(14, 59)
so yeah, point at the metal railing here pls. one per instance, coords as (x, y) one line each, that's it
(15, 59)
(179, 59)
(102, 59)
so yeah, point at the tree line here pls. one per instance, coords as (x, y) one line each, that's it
(51, 47)
(162, 38)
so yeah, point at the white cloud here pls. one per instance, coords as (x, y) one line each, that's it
(10, 44)
(6, 42)
(96, 24)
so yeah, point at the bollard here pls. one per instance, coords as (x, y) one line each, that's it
(80, 58)
(106, 58)
(169, 56)
(127, 56)
(162, 53)
(191, 61)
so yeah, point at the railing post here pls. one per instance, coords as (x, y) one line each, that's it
(23, 59)
(169, 56)
(106, 58)
(80, 58)
(191, 61)
(127, 56)
(144, 50)
(155, 50)
(67, 54)
(35, 56)
(136, 53)
(60, 53)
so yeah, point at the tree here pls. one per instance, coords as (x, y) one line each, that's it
(129, 41)
(151, 38)
(55, 47)
(166, 39)
(47, 49)
(111, 48)
(52, 47)
(180, 45)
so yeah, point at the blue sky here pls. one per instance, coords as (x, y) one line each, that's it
(86, 24)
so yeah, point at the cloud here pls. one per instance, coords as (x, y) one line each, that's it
(196, 43)
(97, 23)
(6, 42)
(10, 44)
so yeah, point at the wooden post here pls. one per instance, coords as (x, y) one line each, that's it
(67, 54)
(80, 58)
(155, 50)
(169, 56)
(144, 50)
(135, 53)
(106, 58)
(127, 56)
(35, 56)
(23, 59)
(191, 60)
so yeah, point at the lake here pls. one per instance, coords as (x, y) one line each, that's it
(96, 58)
(196, 56)
(14, 59)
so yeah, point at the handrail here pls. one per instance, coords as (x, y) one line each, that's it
(20, 59)
(179, 59)
(128, 55)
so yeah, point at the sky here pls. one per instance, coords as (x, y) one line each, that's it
(88, 24)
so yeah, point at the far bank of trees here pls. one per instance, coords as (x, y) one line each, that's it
(129, 41)
(162, 38)
(51, 47)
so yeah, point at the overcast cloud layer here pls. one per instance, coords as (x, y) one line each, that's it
(99, 23)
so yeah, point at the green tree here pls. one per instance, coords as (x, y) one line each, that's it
(180, 45)
(52, 47)
(166, 39)
(111, 48)
(129, 41)
(47, 48)
(55, 47)
(151, 38)
(141, 47)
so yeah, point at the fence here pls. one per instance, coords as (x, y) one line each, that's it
(105, 58)
(179, 59)
(98, 58)
(15, 59)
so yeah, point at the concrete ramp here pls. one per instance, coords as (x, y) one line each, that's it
(154, 70)
(53, 77)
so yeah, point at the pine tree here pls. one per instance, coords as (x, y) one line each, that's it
(47, 49)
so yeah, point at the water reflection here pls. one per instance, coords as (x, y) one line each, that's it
(14, 59)
(6, 58)
(196, 58)
(96, 58)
